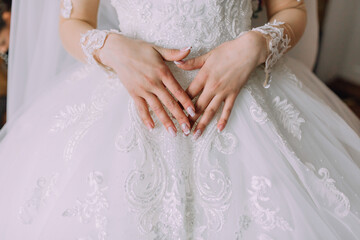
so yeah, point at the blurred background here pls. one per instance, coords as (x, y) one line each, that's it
(332, 44)
(5, 17)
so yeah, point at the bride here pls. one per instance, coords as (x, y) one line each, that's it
(187, 124)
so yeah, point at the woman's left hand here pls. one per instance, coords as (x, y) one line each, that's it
(223, 72)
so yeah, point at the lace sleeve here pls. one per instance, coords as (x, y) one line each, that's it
(94, 40)
(278, 42)
(66, 8)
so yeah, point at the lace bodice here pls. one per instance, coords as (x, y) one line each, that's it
(202, 24)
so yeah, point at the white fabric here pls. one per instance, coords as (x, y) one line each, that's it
(79, 164)
(307, 48)
(36, 53)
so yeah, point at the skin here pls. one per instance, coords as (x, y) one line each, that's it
(141, 66)
(5, 33)
(223, 72)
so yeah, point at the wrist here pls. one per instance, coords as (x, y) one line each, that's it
(105, 54)
(260, 42)
(92, 42)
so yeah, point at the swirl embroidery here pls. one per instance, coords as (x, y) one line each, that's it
(179, 23)
(178, 191)
(265, 217)
(326, 188)
(333, 195)
(258, 114)
(45, 188)
(93, 207)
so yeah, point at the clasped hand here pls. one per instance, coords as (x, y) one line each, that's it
(223, 72)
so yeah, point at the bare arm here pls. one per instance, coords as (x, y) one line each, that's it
(292, 13)
(226, 69)
(139, 65)
(83, 18)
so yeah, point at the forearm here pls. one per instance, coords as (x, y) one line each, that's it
(83, 18)
(290, 12)
(70, 32)
(287, 21)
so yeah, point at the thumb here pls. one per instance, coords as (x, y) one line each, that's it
(194, 63)
(173, 54)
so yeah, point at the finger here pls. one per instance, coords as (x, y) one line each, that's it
(172, 105)
(144, 113)
(202, 103)
(228, 106)
(197, 85)
(194, 63)
(178, 92)
(160, 112)
(208, 115)
(173, 54)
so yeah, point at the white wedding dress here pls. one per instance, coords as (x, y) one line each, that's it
(79, 164)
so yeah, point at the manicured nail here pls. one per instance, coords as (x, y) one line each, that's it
(185, 49)
(149, 126)
(185, 128)
(179, 62)
(220, 128)
(172, 131)
(197, 134)
(191, 111)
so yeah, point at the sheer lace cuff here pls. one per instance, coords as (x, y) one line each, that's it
(278, 42)
(94, 40)
(66, 8)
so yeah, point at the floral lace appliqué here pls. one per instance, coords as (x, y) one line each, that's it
(179, 188)
(258, 114)
(68, 117)
(289, 116)
(326, 188)
(45, 188)
(93, 207)
(267, 218)
(66, 8)
(334, 196)
(278, 44)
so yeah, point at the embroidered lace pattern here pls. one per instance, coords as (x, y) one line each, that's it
(179, 23)
(326, 188)
(93, 40)
(66, 8)
(320, 188)
(278, 43)
(163, 187)
(93, 207)
(45, 188)
(267, 218)
(289, 116)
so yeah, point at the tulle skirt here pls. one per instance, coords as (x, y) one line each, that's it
(79, 164)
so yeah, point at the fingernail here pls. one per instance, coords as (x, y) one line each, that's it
(185, 49)
(149, 126)
(179, 62)
(185, 128)
(197, 134)
(172, 131)
(220, 128)
(191, 111)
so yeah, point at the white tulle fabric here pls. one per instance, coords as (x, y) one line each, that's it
(79, 164)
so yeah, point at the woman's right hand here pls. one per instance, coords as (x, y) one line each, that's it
(143, 72)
